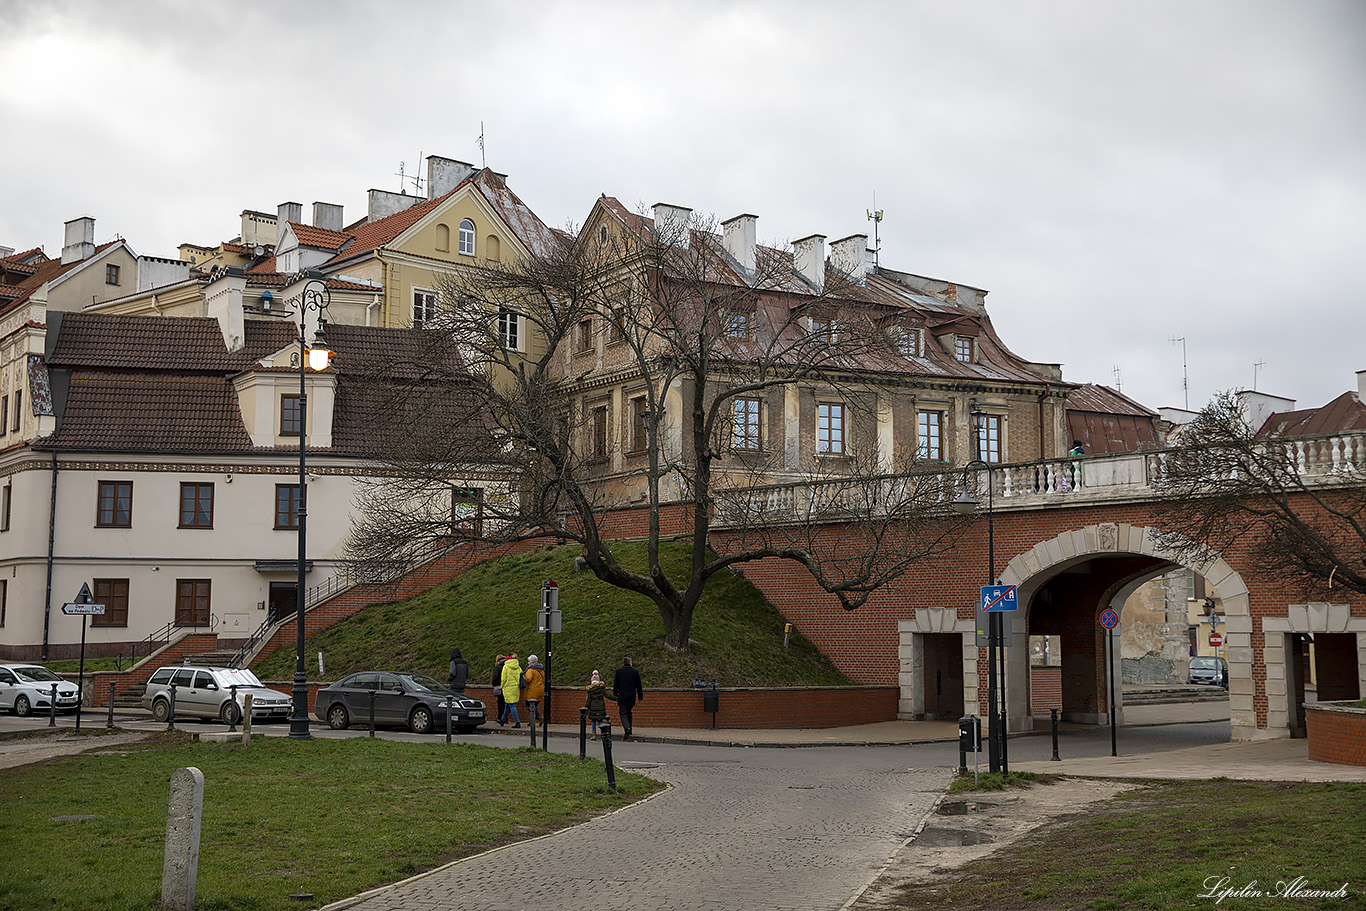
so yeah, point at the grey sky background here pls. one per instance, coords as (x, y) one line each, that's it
(1116, 175)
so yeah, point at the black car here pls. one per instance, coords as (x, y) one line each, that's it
(415, 701)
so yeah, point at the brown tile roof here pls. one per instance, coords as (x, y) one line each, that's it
(128, 412)
(46, 271)
(1105, 420)
(319, 238)
(183, 344)
(1344, 413)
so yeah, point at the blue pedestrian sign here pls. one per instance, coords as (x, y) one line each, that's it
(998, 598)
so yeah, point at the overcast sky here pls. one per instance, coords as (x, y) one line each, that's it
(1116, 175)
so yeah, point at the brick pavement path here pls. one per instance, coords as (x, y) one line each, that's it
(730, 834)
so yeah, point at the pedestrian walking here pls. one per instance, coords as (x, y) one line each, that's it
(597, 701)
(627, 690)
(512, 688)
(535, 684)
(459, 673)
(497, 684)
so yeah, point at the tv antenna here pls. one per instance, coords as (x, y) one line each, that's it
(875, 216)
(1119, 384)
(1185, 373)
(483, 159)
(1255, 365)
(404, 179)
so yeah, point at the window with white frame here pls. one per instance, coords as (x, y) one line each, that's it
(467, 237)
(930, 435)
(989, 438)
(739, 325)
(907, 341)
(965, 348)
(424, 308)
(509, 330)
(830, 425)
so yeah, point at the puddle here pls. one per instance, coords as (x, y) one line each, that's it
(963, 807)
(931, 837)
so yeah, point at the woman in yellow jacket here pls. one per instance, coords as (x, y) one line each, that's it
(512, 687)
(535, 683)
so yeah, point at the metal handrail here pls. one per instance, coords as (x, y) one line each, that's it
(162, 636)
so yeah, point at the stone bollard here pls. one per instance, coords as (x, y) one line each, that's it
(181, 865)
(246, 719)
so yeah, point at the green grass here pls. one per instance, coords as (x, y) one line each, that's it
(91, 665)
(330, 817)
(994, 781)
(490, 610)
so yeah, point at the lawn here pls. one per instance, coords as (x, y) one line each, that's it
(328, 817)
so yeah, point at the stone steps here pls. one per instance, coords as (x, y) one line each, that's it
(1159, 695)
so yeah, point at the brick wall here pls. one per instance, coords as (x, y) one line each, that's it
(1045, 690)
(1336, 734)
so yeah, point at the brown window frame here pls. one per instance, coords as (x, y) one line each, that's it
(18, 410)
(291, 414)
(4, 599)
(6, 505)
(597, 433)
(290, 512)
(965, 349)
(739, 325)
(583, 336)
(197, 518)
(113, 594)
(4, 415)
(193, 602)
(639, 436)
(111, 274)
(929, 435)
(832, 422)
(747, 424)
(823, 329)
(107, 499)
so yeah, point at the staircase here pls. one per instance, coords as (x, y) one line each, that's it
(218, 658)
(1159, 695)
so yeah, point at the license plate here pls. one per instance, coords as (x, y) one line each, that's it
(476, 714)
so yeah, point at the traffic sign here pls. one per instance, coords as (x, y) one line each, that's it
(84, 596)
(83, 609)
(1109, 619)
(998, 598)
(1216, 639)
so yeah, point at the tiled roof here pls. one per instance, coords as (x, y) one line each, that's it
(319, 238)
(378, 233)
(129, 412)
(1344, 413)
(517, 215)
(184, 344)
(1103, 399)
(46, 271)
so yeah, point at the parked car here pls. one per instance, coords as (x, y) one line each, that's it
(28, 687)
(1209, 670)
(206, 692)
(413, 700)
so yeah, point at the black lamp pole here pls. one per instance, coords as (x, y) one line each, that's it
(315, 296)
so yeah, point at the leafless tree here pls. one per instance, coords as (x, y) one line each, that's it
(703, 358)
(1297, 503)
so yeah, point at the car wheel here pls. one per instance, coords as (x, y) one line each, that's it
(337, 719)
(161, 710)
(22, 706)
(230, 713)
(420, 721)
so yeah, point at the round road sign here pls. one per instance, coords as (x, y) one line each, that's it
(1216, 639)
(1109, 619)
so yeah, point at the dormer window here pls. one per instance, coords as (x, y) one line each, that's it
(823, 329)
(965, 349)
(907, 341)
(740, 325)
(467, 237)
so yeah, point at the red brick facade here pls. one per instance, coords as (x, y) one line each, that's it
(1336, 734)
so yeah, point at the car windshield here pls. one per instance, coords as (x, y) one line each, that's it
(36, 674)
(423, 682)
(1202, 663)
(233, 676)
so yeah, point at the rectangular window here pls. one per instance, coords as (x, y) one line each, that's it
(616, 326)
(989, 438)
(908, 341)
(113, 594)
(115, 507)
(508, 330)
(638, 434)
(597, 432)
(467, 511)
(424, 308)
(740, 325)
(823, 329)
(111, 275)
(4, 596)
(467, 237)
(286, 505)
(196, 505)
(830, 428)
(583, 335)
(964, 349)
(291, 415)
(746, 427)
(4, 415)
(930, 436)
(18, 410)
(6, 501)
(192, 602)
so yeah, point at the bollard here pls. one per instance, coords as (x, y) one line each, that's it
(170, 718)
(531, 710)
(232, 712)
(450, 706)
(583, 733)
(372, 713)
(1056, 757)
(110, 723)
(52, 708)
(606, 727)
(246, 720)
(180, 867)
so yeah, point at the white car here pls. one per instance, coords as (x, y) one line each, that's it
(25, 688)
(207, 693)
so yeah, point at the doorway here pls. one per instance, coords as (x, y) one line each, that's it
(943, 680)
(284, 600)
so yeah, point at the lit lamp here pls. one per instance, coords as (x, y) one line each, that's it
(315, 297)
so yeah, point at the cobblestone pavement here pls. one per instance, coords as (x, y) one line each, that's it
(728, 834)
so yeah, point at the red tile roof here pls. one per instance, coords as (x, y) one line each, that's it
(46, 271)
(319, 238)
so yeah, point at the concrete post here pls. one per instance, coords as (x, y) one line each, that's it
(181, 865)
(246, 719)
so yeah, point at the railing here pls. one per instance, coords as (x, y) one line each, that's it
(161, 638)
(1323, 457)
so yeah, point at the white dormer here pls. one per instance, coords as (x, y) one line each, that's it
(268, 399)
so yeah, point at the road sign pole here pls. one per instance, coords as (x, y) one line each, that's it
(80, 674)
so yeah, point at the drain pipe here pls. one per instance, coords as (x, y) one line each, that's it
(51, 542)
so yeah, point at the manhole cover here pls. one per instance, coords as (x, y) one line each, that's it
(931, 837)
(963, 807)
(76, 818)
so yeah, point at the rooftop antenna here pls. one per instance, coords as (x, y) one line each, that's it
(875, 216)
(417, 182)
(1185, 374)
(1255, 365)
(483, 159)
(1119, 384)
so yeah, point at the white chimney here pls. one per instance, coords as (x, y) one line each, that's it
(327, 215)
(223, 301)
(671, 224)
(849, 255)
(740, 241)
(80, 240)
(384, 203)
(808, 257)
(445, 174)
(288, 212)
(1361, 384)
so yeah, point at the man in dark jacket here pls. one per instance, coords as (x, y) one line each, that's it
(459, 673)
(498, 688)
(626, 687)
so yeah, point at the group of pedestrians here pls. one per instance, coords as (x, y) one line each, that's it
(513, 684)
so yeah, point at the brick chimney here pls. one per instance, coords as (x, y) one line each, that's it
(740, 241)
(808, 258)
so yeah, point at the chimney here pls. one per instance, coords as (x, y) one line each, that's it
(80, 240)
(671, 224)
(327, 215)
(445, 174)
(223, 301)
(384, 203)
(849, 255)
(287, 212)
(740, 242)
(808, 258)
(1361, 384)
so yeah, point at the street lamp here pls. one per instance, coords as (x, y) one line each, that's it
(966, 504)
(315, 297)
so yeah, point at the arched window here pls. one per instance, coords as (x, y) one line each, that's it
(443, 238)
(467, 237)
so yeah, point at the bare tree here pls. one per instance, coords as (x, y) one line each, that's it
(1296, 503)
(702, 361)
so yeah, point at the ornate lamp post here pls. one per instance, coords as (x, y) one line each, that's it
(966, 504)
(315, 297)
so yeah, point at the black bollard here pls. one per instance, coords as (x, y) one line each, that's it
(1056, 757)
(372, 713)
(110, 723)
(531, 710)
(52, 708)
(170, 718)
(232, 712)
(583, 733)
(606, 728)
(450, 706)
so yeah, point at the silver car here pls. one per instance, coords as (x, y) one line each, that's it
(206, 692)
(25, 688)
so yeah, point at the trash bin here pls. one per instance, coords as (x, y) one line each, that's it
(710, 702)
(969, 734)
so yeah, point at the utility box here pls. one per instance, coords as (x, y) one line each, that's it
(969, 734)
